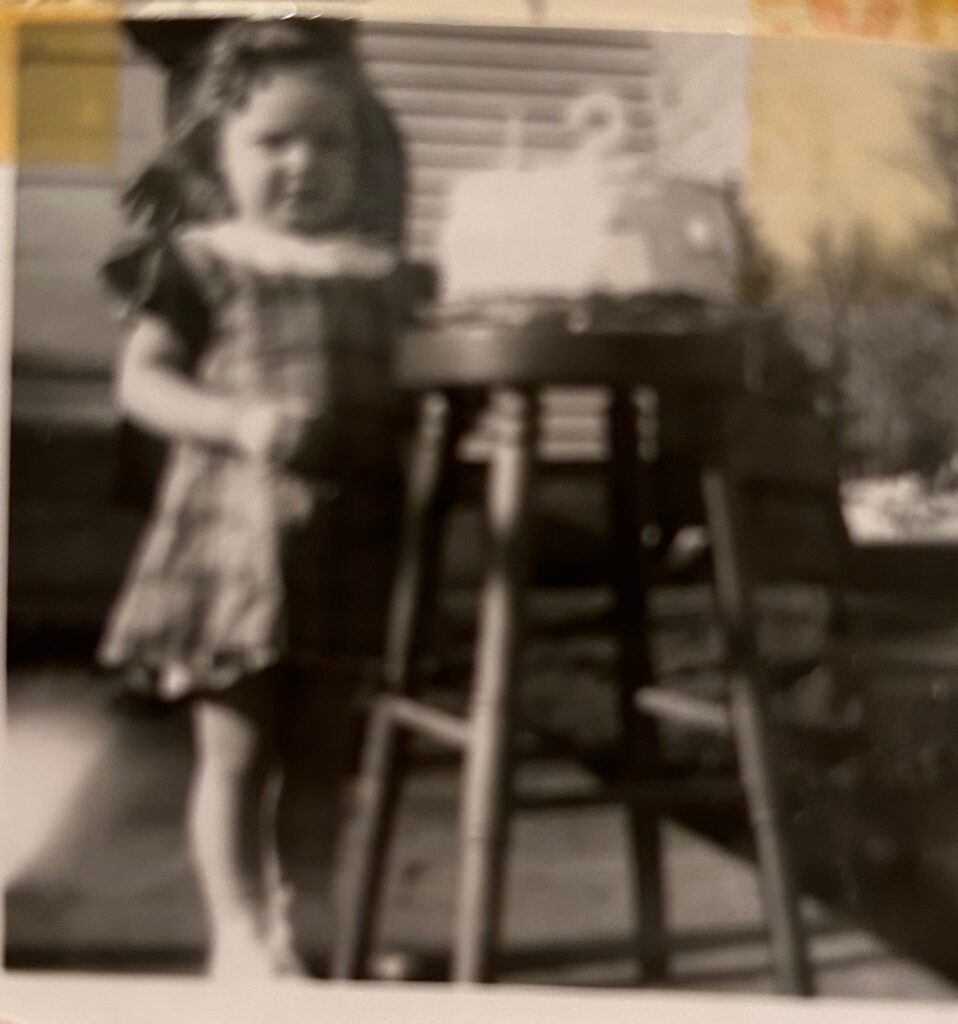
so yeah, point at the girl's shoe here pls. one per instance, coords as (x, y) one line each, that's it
(239, 954)
(396, 965)
(280, 939)
(284, 958)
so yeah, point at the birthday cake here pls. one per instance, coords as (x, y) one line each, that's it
(592, 223)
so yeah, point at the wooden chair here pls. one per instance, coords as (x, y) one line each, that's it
(771, 485)
(515, 367)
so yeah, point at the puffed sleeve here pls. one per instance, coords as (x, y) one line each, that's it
(151, 277)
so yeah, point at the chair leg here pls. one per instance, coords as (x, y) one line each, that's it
(754, 740)
(487, 769)
(639, 734)
(385, 751)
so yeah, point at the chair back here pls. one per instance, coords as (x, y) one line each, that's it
(777, 465)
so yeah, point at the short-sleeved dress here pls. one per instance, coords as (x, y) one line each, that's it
(245, 564)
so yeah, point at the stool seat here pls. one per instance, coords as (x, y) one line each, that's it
(552, 348)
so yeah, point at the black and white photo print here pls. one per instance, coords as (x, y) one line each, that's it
(483, 507)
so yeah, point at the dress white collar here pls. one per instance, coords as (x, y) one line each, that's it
(273, 252)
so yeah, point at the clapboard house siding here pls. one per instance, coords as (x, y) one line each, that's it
(67, 214)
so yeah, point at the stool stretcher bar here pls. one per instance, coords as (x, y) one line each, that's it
(680, 707)
(664, 794)
(438, 725)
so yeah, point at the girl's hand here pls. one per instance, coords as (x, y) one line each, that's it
(270, 431)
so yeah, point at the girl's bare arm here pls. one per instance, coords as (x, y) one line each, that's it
(153, 388)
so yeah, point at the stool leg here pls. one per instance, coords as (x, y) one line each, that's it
(639, 734)
(752, 727)
(386, 747)
(384, 760)
(487, 768)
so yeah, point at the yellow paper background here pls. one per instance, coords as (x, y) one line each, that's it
(8, 89)
(930, 22)
(831, 138)
(59, 83)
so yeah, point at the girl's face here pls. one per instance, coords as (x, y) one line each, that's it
(289, 155)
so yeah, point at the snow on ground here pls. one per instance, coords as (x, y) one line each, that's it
(903, 507)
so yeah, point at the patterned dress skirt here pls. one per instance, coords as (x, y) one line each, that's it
(256, 568)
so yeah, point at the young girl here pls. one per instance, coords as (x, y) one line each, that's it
(258, 346)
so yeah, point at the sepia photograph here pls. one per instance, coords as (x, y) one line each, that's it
(483, 508)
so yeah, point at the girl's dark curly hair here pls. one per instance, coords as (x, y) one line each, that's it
(181, 183)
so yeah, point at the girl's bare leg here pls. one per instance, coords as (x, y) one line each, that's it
(235, 741)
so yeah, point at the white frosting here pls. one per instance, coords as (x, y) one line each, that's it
(273, 252)
(557, 231)
(542, 230)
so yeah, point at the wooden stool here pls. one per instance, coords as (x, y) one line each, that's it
(513, 366)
